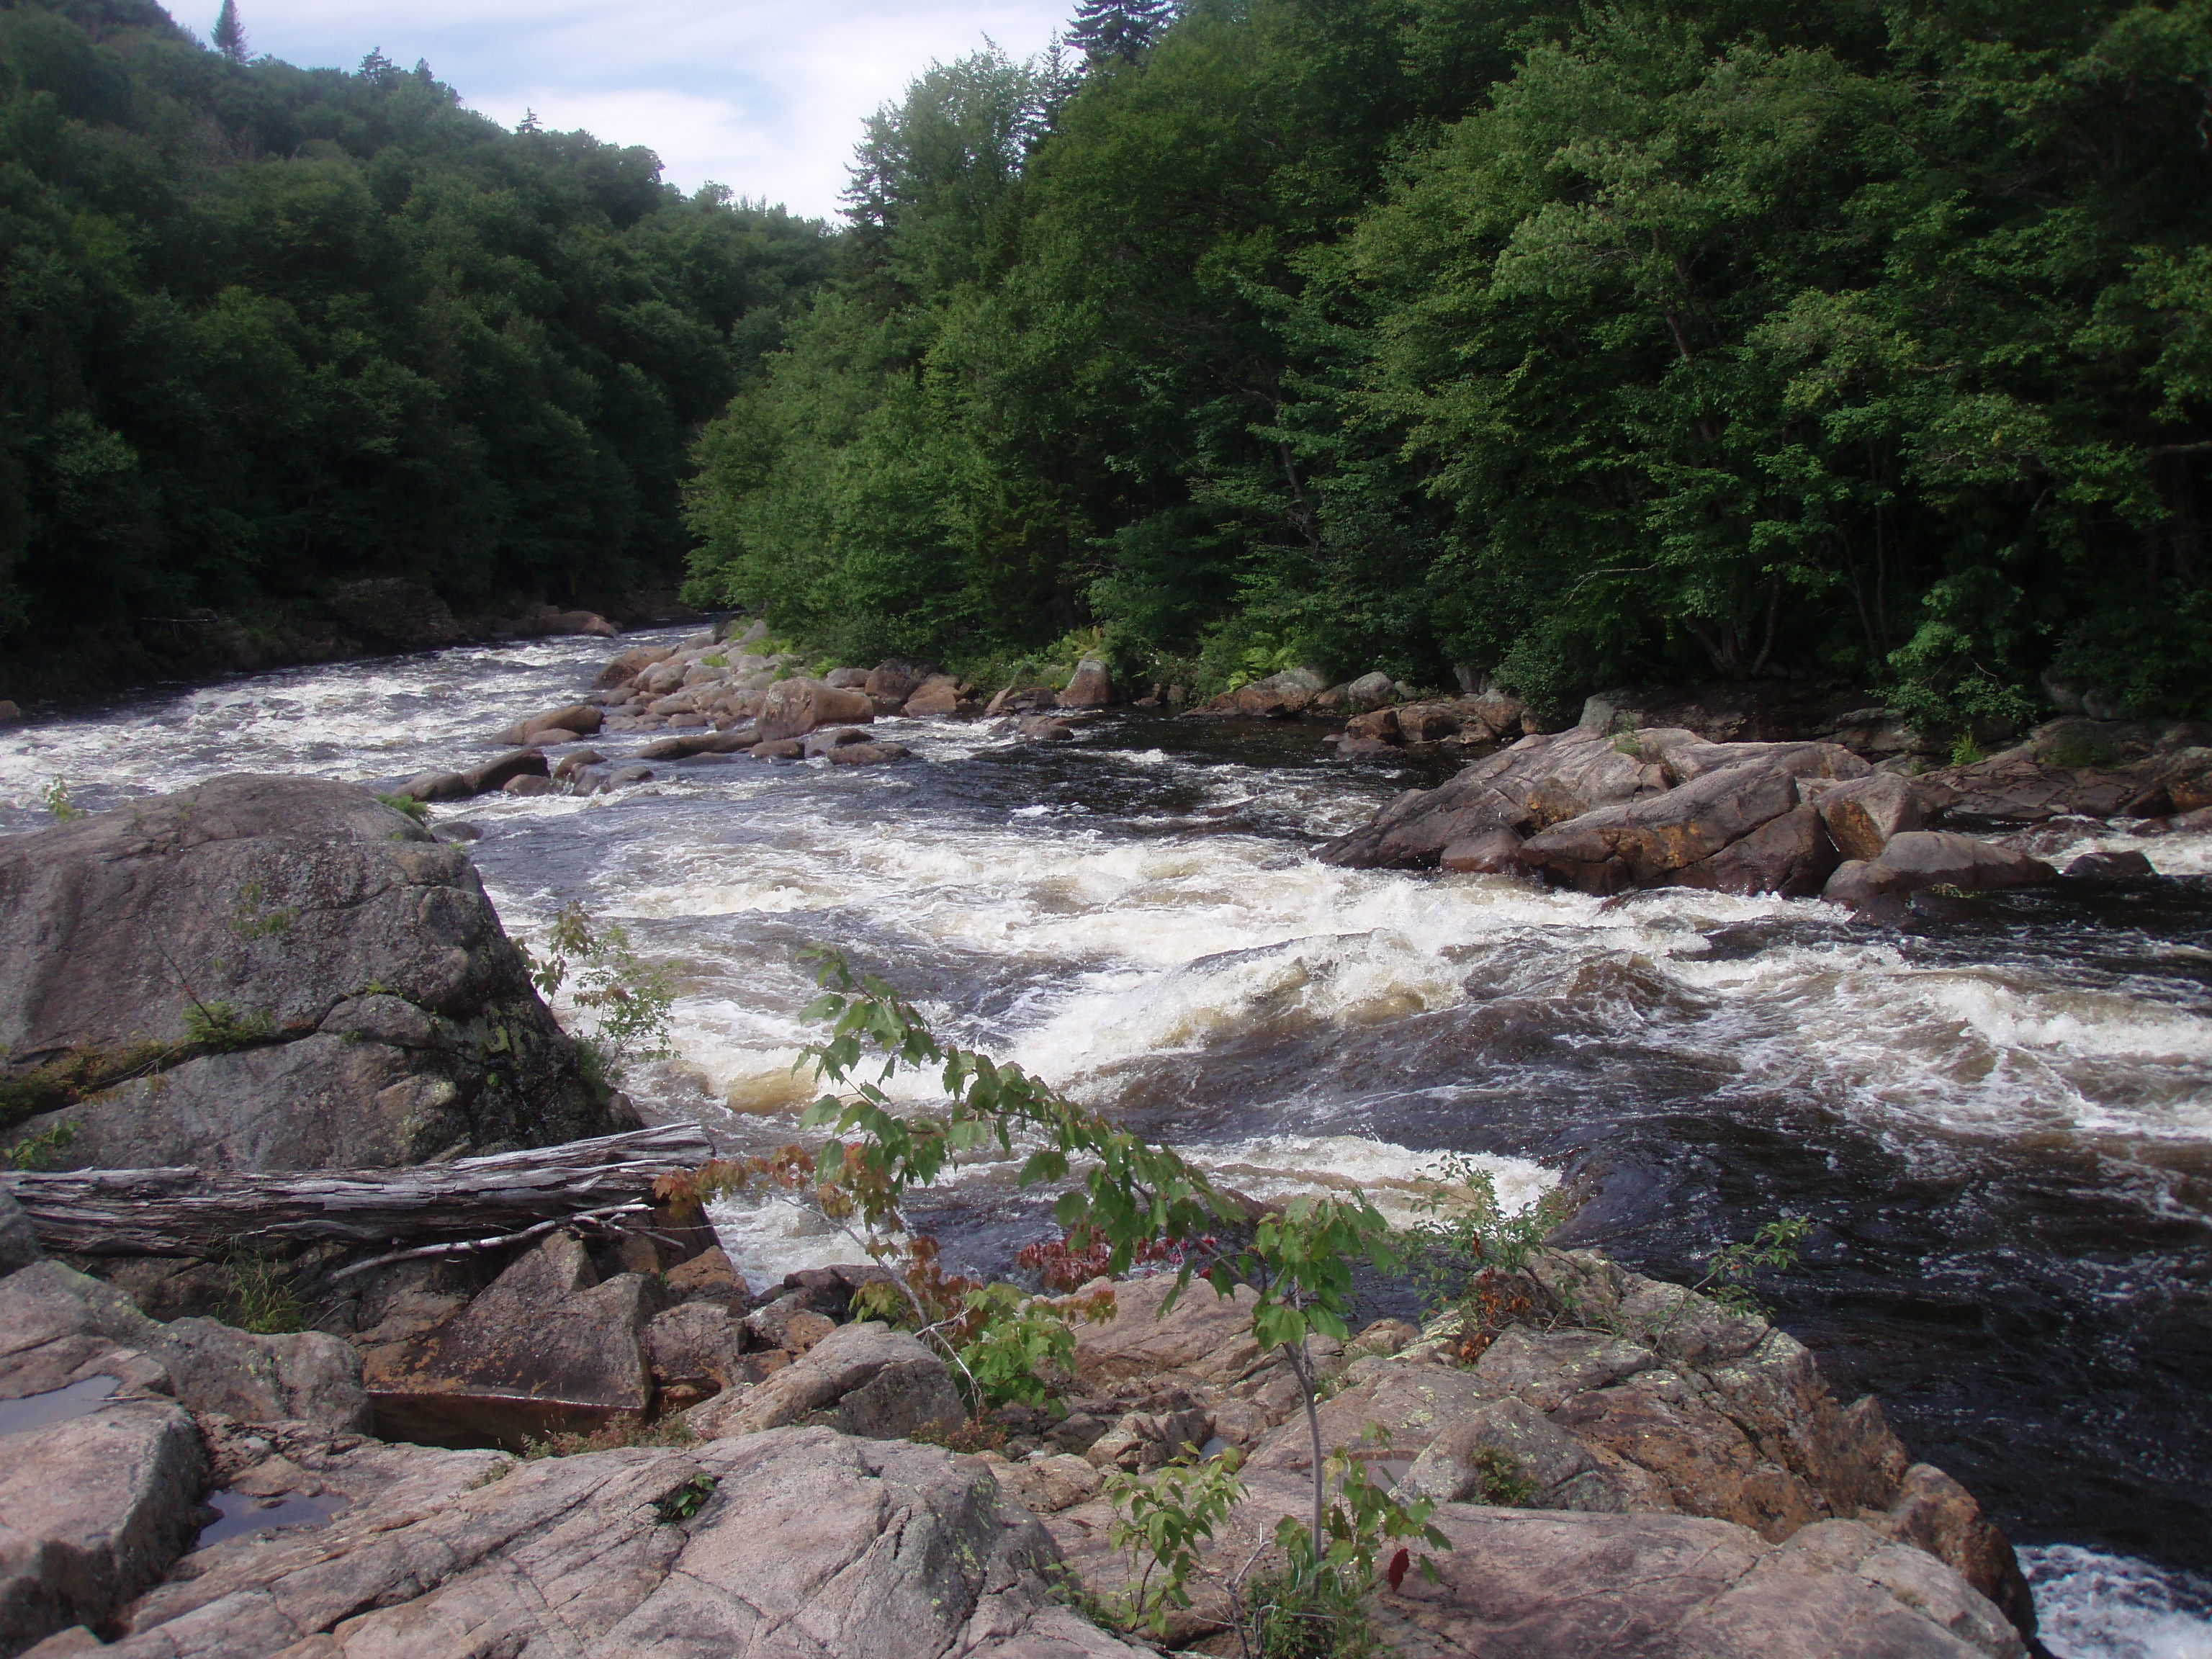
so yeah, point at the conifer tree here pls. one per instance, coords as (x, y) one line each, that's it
(230, 34)
(1108, 30)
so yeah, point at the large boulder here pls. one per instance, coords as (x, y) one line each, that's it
(798, 1542)
(1922, 859)
(893, 682)
(938, 695)
(1091, 686)
(1279, 696)
(876, 1381)
(792, 708)
(577, 719)
(547, 1348)
(1653, 841)
(270, 974)
(1863, 814)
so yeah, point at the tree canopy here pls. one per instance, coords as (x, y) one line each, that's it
(1561, 344)
(264, 328)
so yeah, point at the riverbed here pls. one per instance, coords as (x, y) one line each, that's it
(1999, 1118)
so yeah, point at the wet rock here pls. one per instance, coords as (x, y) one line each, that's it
(895, 681)
(867, 754)
(498, 773)
(566, 769)
(1923, 859)
(630, 664)
(1090, 687)
(822, 742)
(527, 785)
(791, 708)
(578, 720)
(277, 900)
(938, 695)
(699, 743)
(1044, 728)
(1791, 855)
(1488, 851)
(842, 1363)
(626, 777)
(1863, 814)
(778, 749)
(9, 713)
(546, 1348)
(1022, 700)
(2104, 869)
(1368, 691)
(1643, 843)
(1381, 726)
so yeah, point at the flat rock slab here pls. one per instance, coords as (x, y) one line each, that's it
(1206, 1335)
(794, 1544)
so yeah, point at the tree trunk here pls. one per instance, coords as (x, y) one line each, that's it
(205, 1212)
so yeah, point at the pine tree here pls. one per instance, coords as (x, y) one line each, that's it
(1125, 29)
(230, 34)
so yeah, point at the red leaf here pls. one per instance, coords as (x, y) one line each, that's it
(1395, 1572)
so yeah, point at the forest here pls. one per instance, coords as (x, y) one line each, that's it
(1547, 344)
(1556, 343)
(264, 329)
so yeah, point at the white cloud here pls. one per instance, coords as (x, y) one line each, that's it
(766, 96)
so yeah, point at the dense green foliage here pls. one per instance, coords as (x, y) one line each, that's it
(1569, 344)
(264, 328)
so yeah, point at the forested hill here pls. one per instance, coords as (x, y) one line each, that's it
(1565, 343)
(264, 330)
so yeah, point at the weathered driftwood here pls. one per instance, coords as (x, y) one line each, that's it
(203, 1213)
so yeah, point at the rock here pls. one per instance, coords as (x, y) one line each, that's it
(905, 1398)
(543, 620)
(1379, 727)
(1922, 859)
(1427, 722)
(1643, 842)
(9, 713)
(1862, 814)
(895, 681)
(393, 613)
(625, 777)
(789, 1323)
(92, 1510)
(570, 765)
(821, 742)
(709, 1276)
(2185, 774)
(1205, 1335)
(59, 1327)
(700, 743)
(546, 1348)
(801, 1541)
(1022, 700)
(1368, 691)
(1279, 696)
(1791, 855)
(742, 631)
(579, 720)
(19, 1246)
(1046, 1486)
(1935, 1513)
(277, 900)
(847, 679)
(1488, 851)
(940, 695)
(867, 754)
(528, 784)
(1509, 1439)
(844, 1361)
(630, 664)
(2112, 868)
(436, 786)
(497, 774)
(1044, 728)
(791, 708)
(2026, 784)
(778, 749)
(1091, 686)
(697, 1346)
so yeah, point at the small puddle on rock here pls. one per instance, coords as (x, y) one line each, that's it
(241, 1512)
(36, 1411)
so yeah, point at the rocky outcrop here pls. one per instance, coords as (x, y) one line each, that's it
(270, 974)
(792, 708)
(872, 1381)
(1923, 858)
(799, 1542)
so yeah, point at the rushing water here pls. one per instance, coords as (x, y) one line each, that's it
(2000, 1118)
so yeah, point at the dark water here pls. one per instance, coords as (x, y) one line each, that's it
(2000, 1118)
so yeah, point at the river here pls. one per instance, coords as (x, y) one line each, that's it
(1999, 1119)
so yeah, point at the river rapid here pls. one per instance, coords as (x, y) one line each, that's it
(1999, 1118)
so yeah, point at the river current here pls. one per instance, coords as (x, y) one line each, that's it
(1999, 1118)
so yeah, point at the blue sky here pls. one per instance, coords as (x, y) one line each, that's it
(765, 96)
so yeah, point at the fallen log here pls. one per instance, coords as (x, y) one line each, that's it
(208, 1212)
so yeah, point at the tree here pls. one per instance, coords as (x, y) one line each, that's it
(230, 34)
(1122, 30)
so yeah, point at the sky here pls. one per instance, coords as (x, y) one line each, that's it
(766, 96)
